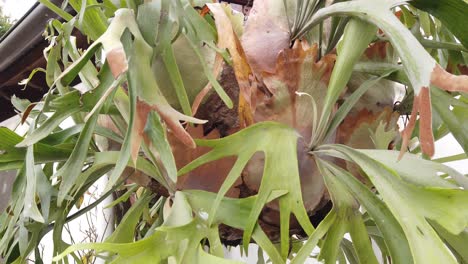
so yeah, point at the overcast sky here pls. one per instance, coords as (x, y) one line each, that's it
(16, 8)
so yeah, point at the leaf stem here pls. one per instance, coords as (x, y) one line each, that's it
(457, 157)
(86, 209)
(433, 44)
(56, 10)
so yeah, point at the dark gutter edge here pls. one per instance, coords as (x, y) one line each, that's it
(27, 32)
(19, 22)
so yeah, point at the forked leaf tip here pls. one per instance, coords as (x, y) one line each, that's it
(447, 81)
(421, 105)
(425, 129)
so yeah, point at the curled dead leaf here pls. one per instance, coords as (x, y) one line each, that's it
(27, 112)
(227, 39)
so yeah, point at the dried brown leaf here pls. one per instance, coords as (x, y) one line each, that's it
(266, 35)
(27, 112)
(208, 177)
(296, 71)
(356, 129)
(227, 39)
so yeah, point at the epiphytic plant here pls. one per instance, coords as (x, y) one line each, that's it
(280, 129)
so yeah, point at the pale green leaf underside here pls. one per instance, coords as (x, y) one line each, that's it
(278, 142)
(447, 207)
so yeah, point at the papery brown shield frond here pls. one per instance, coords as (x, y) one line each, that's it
(296, 72)
(207, 177)
(266, 34)
(227, 39)
(377, 50)
(356, 129)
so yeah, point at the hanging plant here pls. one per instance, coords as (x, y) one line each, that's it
(279, 129)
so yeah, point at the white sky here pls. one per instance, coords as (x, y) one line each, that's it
(16, 8)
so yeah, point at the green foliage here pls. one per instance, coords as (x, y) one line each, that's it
(279, 173)
(148, 61)
(447, 207)
(450, 12)
(5, 23)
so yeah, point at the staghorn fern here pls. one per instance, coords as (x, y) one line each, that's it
(227, 128)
